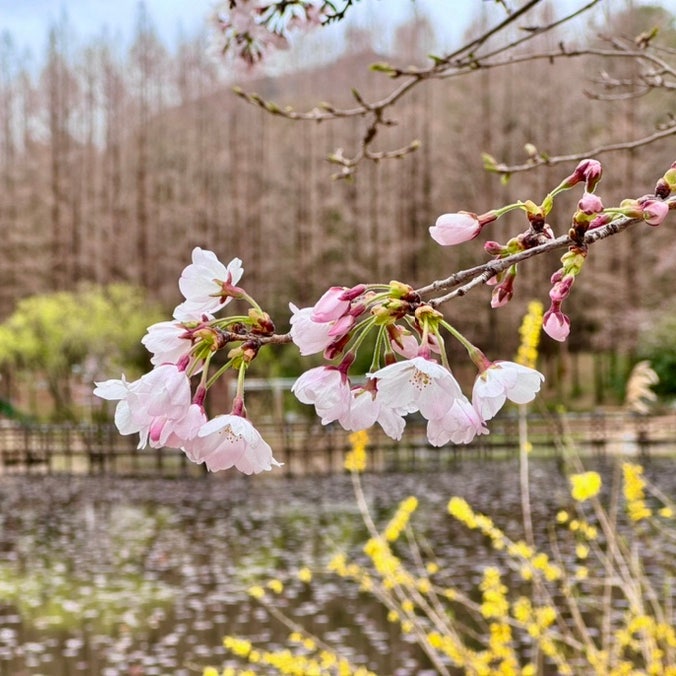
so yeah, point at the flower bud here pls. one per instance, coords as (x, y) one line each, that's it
(261, 322)
(494, 248)
(590, 204)
(654, 211)
(560, 291)
(451, 229)
(590, 172)
(501, 295)
(556, 325)
(399, 289)
(354, 292)
(331, 305)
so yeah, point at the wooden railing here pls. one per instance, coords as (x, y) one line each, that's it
(305, 446)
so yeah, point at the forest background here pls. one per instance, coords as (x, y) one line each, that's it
(117, 161)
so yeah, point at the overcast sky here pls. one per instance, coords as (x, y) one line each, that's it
(28, 21)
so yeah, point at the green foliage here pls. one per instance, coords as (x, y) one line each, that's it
(657, 344)
(93, 329)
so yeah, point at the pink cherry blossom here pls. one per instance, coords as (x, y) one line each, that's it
(310, 336)
(556, 325)
(207, 285)
(452, 229)
(365, 410)
(153, 403)
(417, 384)
(327, 389)
(168, 342)
(406, 345)
(501, 381)
(231, 441)
(459, 425)
(183, 431)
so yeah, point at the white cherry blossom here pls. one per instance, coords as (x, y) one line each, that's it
(501, 381)
(327, 389)
(460, 424)
(366, 409)
(417, 384)
(206, 285)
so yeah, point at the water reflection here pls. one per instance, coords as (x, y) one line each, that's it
(125, 577)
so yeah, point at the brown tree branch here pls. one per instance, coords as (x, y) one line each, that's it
(541, 159)
(461, 61)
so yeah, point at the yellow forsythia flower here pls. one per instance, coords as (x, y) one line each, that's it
(582, 551)
(634, 492)
(276, 586)
(256, 592)
(305, 575)
(530, 335)
(355, 460)
(401, 518)
(585, 485)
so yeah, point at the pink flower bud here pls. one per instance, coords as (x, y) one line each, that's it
(556, 325)
(330, 306)
(590, 172)
(494, 248)
(503, 293)
(501, 296)
(654, 211)
(354, 292)
(590, 204)
(455, 228)
(560, 291)
(598, 221)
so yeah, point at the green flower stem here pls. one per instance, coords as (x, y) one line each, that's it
(219, 373)
(475, 354)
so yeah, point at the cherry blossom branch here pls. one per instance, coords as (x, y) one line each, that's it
(481, 274)
(464, 281)
(467, 59)
(410, 369)
(461, 61)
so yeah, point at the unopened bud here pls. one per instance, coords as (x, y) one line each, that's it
(590, 204)
(561, 290)
(354, 292)
(556, 325)
(494, 248)
(389, 311)
(399, 289)
(261, 322)
(336, 347)
(654, 211)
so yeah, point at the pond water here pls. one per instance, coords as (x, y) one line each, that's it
(111, 577)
